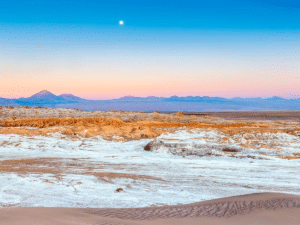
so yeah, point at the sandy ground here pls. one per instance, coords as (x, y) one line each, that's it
(263, 208)
(251, 115)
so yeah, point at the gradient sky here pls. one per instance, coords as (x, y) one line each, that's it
(215, 48)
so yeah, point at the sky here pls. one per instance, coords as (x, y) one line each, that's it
(233, 48)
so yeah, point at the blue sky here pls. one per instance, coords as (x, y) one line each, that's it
(192, 14)
(217, 48)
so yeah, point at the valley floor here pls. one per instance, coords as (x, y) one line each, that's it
(69, 158)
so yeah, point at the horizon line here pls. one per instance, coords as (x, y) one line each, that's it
(151, 96)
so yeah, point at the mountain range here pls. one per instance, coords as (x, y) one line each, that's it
(151, 103)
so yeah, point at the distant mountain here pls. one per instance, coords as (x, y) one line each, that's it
(206, 99)
(294, 99)
(129, 97)
(247, 99)
(175, 97)
(45, 96)
(139, 99)
(5, 102)
(151, 103)
(276, 98)
(71, 97)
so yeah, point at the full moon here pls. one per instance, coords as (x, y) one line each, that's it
(121, 22)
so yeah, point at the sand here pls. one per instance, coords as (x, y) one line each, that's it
(251, 115)
(262, 208)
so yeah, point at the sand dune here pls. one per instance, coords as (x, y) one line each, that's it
(263, 208)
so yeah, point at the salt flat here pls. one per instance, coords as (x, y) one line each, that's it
(184, 165)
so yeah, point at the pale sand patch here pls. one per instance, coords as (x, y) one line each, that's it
(262, 208)
(60, 167)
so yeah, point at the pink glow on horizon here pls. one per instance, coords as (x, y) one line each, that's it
(103, 96)
(114, 92)
(260, 81)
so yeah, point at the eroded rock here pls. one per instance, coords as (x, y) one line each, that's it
(119, 189)
(153, 145)
(191, 148)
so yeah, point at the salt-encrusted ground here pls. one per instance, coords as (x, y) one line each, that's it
(183, 165)
(86, 173)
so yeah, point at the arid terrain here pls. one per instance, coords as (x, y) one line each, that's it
(115, 159)
(252, 115)
(233, 136)
(263, 208)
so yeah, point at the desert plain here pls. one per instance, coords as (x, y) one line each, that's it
(67, 166)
